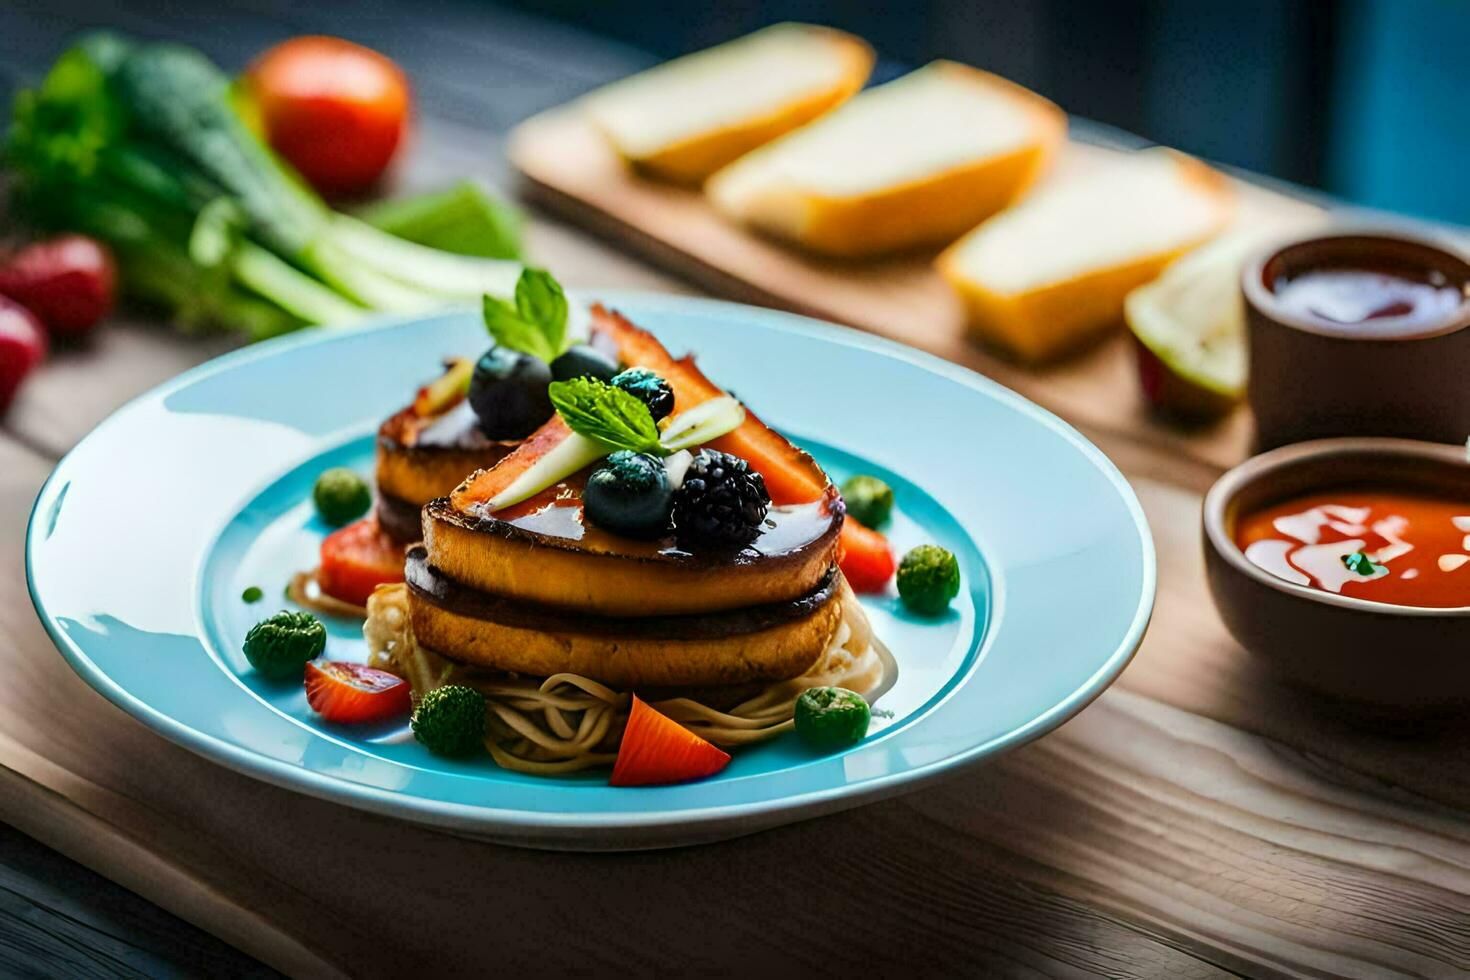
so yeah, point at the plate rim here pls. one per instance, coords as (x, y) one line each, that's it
(511, 825)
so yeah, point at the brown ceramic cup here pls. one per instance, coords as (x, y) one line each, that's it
(1386, 660)
(1312, 378)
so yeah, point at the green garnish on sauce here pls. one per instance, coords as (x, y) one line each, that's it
(252, 594)
(1360, 563)
(536, 323)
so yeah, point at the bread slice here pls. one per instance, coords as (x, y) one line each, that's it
(1051, 273)
(685, 119)
(920, 160)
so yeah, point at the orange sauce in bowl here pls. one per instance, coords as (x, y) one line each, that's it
(1416, 545)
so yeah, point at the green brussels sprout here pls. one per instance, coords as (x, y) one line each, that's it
(341, 496)
(831, 718)
(450, 720)
(280, 646)
(869, 500)
(928, 578)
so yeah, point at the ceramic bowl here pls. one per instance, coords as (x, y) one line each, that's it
(1313, 379)
(1396, 659)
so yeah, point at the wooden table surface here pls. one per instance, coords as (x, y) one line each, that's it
(1198, 820)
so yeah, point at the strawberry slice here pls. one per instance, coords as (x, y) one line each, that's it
(657, 750)
(865, 557)
(351, 694)
(357, 559)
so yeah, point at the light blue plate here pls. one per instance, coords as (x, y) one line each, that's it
(147, 534)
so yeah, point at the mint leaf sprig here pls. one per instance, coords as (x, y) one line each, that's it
(619, 419)
(606, 414)
(536, 323)
(605, 418)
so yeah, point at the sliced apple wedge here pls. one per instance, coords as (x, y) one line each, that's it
(1189, 331)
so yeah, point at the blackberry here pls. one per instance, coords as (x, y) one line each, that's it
(721, 502)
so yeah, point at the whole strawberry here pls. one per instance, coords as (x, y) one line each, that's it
(22, 347)
(68, 282)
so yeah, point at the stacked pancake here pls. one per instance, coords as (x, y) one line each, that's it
(529, 598)
(423, 454)
(533, 589)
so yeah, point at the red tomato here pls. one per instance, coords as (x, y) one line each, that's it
(357, 559)
(351, 693)
(22, 347)
(656, 750)
(335, 110)
(865, 557)
(68, 282)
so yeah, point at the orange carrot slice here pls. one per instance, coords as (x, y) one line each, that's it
(865, 557)
(657, 750)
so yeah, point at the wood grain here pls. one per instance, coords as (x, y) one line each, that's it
(57, 918)
(1138, 840)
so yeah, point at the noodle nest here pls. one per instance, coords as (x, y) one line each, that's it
(567, 722)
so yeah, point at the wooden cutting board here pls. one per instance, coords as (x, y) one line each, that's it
(567, 166)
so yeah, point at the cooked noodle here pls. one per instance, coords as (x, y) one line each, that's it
(568, 722)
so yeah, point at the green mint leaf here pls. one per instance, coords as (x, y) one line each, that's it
(508, 329)
(1360, 563)
(536, 323)
(606, 414)
(541, 302)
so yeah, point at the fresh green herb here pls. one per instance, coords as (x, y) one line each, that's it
(464, 219)
(252, 594)
(607, 415)
(536, 323)
(1359, 563)
(143, 146)
(604, 419)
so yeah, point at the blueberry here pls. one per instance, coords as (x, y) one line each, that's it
(583, 361)
(629, 495)
(508, 393)
(648, 388)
